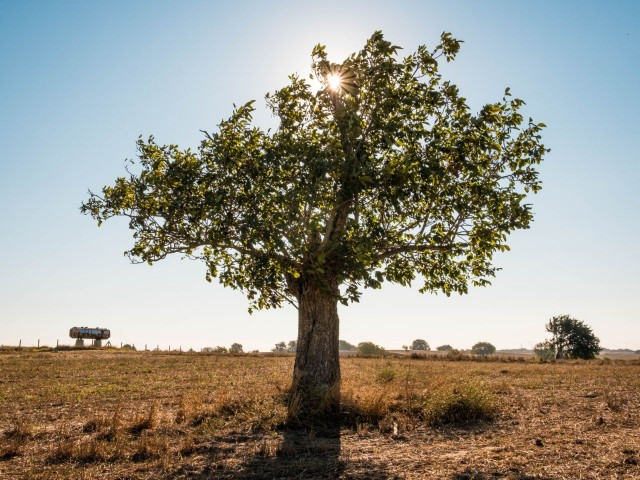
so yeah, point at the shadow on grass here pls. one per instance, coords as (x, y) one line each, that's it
(312, 452)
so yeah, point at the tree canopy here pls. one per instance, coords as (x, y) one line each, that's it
(483, 348)
(420, 344)
(389, 177)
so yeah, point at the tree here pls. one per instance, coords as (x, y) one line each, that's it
(420, 344)
(384, 174)
(370, 348)
(235, 348)
(280, 347)
(483, 348)
(291, 347)
(444, 348)
(344, 345)
(571, 338)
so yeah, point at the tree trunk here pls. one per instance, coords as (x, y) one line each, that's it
(316, 374)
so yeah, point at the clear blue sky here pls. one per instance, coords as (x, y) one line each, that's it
(80, 80)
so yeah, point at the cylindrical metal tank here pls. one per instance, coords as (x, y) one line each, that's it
(92, 333)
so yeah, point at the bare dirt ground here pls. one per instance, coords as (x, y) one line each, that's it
(119, 415)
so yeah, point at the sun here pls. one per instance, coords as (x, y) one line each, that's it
(334, 82)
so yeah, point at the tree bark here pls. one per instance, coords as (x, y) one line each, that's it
(316, 373)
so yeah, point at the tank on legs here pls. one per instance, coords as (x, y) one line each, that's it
(90, 333)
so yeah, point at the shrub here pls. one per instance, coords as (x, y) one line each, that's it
(235, 348)
(370, 349)
(544, 351)
(464, 403)
(483, 348)
(387, 374)
(444, 348)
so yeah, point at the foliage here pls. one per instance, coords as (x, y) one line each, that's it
(344, 345)
(399, 180)
(370, 349)
(444, 348)
(420, 344)
(280, 347)
(291, 346)
(572, 338)
(387, 374)
(235, 348)
(483, 348)
(464, 402)
(544, 350)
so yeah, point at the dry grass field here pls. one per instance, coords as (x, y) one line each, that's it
(128, 415)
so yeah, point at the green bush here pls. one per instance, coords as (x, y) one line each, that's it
(370, 349)
(464, 403)
(387, 374)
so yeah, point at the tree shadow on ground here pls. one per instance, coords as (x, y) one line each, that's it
(310, 452)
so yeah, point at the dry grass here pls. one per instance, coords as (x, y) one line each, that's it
(93, 414)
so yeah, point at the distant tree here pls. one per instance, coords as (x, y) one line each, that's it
(420, 344)
(572, 338)
(220, 349)
(405, 348)
(344, 345)
(235, 348)
(206, 350)
(280, 347)
(291, 347)
(383, 174)
(483, 348)
(444, 348)
(370, 348)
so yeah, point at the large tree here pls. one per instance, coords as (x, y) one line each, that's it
(382, 174)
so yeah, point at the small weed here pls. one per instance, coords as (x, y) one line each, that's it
(147, 422)
(150, 448)
(61, 452)
(21, 431)
(94, 424)
(91, 450)
(11, 449)
(188, 447)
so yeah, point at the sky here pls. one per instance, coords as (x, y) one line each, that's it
(81, 80)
